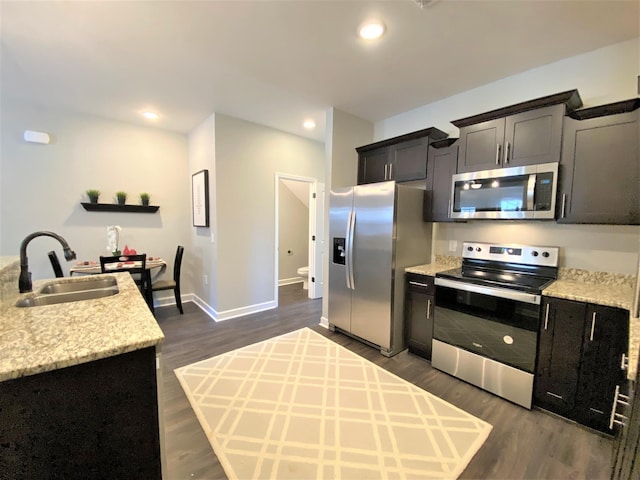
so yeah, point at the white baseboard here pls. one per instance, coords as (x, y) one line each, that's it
(290, 281)
(233, 313)
(324, 322)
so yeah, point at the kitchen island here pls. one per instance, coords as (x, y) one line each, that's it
(79, 385)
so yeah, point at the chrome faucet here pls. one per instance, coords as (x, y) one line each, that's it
(24, 282)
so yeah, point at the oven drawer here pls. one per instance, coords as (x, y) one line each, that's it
(495, 377)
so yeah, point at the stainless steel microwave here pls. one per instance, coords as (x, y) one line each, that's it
(515, 193)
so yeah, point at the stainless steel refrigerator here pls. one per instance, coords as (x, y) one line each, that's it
(375, 232)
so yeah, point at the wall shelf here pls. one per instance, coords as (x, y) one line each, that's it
(113, 207)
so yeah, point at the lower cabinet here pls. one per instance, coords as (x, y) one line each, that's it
(580, 356)
(419, 308)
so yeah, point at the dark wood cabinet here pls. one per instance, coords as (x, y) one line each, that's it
(579, 360)
(600, 369)
(419, 308)
(600, 168)
(373, 166)
(524, 134)
(559, 350)
(402, 158)
(443, 158)
(408, 160)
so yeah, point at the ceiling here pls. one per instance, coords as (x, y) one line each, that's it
(280, 62)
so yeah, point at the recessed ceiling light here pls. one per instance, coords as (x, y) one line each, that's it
(309, 124)
(150, 115)
(371, 29)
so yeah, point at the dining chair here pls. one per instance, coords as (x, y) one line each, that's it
(55, 263)
(140, 269)
(175, 283)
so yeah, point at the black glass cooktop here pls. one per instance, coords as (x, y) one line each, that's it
(498, 278)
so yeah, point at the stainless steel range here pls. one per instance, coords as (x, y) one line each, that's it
(487, 316)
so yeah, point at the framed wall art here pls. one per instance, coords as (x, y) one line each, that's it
(200, 198)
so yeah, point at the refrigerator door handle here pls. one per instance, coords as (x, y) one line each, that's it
(351, 234)
(347, 249)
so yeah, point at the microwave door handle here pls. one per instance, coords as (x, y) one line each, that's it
(531, 188)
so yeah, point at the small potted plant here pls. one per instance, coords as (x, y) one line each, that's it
(93, 195)
(121, 197)
(144, 198)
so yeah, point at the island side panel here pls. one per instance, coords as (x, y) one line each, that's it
(97, 419)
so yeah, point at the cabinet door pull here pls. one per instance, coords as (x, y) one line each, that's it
(593, 326)
(507, 149)
(428, 309)
(564, 204)
(391, 171)
(546, 316)
(497, 154)
(618, 418)
(386, 167)
(624, 364)
(418, 284)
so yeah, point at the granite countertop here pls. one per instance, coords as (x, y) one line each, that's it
(600, 288)
(44, 338)
(441, 264)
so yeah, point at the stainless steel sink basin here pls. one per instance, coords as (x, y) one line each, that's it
(78, 285)
(55, 298)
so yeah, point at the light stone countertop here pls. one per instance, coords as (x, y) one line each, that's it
(44, 338)
(599, 288)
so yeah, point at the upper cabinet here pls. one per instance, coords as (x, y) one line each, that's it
(527, 133)
(599, 171)
(402, 158)
(443, 158)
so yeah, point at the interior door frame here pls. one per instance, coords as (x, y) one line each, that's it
(313, 182)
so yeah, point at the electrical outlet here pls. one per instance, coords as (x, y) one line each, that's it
(206, 279)
(453, 245)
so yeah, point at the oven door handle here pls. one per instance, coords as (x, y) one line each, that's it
(491, 291)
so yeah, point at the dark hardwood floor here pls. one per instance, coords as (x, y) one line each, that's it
(523, 444)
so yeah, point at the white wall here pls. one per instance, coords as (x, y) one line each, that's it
(247, 158)
(605, 75)
(602, 76)
(293, 233)
(202, 156)
(41, 186)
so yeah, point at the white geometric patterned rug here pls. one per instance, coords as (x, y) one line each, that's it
(300, 406)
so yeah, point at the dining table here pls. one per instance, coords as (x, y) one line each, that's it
(152, 263)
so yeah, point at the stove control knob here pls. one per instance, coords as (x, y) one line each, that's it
(478, 249)
(470, 249)
(545, 254)
(534, 253)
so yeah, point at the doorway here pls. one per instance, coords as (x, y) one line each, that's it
(299, 240)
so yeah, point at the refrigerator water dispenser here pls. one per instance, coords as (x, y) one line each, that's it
(338, 251)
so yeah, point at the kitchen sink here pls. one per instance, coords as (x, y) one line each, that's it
(55, 298)
(78, 286)
(65, 292)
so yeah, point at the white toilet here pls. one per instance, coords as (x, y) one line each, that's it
(304, 273)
